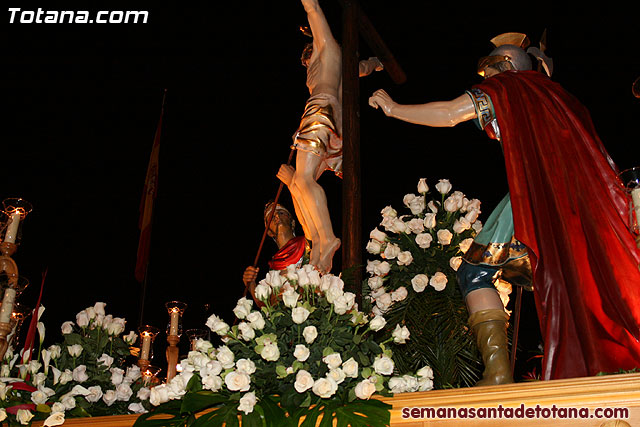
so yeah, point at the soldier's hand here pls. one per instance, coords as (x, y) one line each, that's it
(381, 99)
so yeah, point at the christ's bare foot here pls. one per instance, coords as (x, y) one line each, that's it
(326, 256)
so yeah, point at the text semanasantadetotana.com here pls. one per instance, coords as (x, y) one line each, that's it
(518, 412)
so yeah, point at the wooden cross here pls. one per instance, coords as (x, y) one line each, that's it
(356, 23)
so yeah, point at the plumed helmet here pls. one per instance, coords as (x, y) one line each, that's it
(509, 47)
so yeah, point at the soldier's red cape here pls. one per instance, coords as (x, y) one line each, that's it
(571, 210)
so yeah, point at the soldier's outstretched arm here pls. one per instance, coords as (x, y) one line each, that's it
(434, 114)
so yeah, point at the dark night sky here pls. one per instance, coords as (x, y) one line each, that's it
(82, 103)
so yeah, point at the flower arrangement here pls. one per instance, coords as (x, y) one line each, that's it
(84, 375)
(308, 352)
(414, 284)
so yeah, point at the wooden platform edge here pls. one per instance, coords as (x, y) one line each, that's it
(608, 392)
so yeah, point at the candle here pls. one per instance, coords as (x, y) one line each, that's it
(12, 227)
(175, 320)
(7, 305)
(146, 346)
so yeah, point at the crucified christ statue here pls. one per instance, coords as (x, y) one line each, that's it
(318, 140)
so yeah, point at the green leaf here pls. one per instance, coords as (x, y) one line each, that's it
(274, 415)
(197, 401)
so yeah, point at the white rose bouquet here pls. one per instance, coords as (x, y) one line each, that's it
(412, 283)
(85, 375)
(307, 352)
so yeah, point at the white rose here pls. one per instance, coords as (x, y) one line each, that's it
(378, 268)
(375, 282)
(460, 225)
(3, 414)
(422, 186)
(246, 366)
(438, 281)
(383, 302)
(237, 381)
(130, 338)
(433, 206)
(80, 374)
(116, 327)
(388, 211)
(304, 381)
(399, 294)
(159, 395)
(350, 368)
(417, 205)
(143, 393)
(477, 226)
(332, 360)
(391, 251)
(405, 258)
(425, 372)
(74, 350)
(344, 302)
(117, 375)
(67, 327)
(472, 215)
(68, 401)
(213, 367)
(299, 315)
(39, 397)
(105, 360)
(430, 220)
(217, 325)
(337, 375)
(82, 319)
(364, 389)
(212, 382)
(443, 186)
(412, 383)
(55, 419)
(398, 226)
(263, 291)
(58, 407)
(397, 385)
(273, 279)
(377, 235)
(247, 402)
(247, 331)
(55, 350)
(242, 308)
(423, 240)
(256, 320)
(383, 365)
(309, 333)
(419, 282)
(270, 352)
(400, 334)
(416, 225)
(24, 416)
(136, 408)
(373, 247)
(290, 297)
(324, 387)
(123, 392)
(474, 204)
(66, 376)
(451, 204)
(425, 384)
(465, 245)
(377, 323)
(95, 393)
(444, 236)
(225, 357)
(301, 352)
(454, 262)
